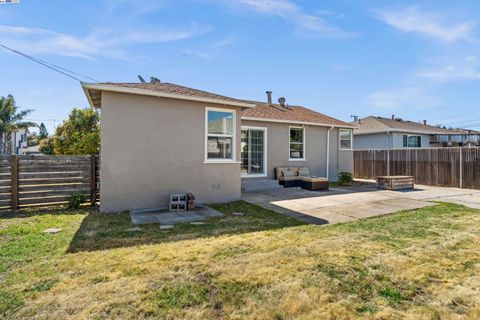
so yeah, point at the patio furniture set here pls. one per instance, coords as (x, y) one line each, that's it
(299, 177)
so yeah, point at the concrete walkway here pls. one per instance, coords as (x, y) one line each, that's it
(353, 203)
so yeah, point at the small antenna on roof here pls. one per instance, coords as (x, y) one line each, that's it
(155, 80)
(141, 79)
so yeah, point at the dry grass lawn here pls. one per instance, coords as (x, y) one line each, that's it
(421, 264)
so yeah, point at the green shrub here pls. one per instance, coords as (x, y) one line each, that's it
(344, 178)
(76, 200)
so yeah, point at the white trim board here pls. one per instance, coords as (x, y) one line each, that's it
(304, 132)
(265, 153)
(292, 122)
(233, 136)
(340, 140)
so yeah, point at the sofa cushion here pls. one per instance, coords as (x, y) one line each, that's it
(314, 179)
(294, 170)
(279, 172)
(292, 178)
(303, 172)
(288, 174)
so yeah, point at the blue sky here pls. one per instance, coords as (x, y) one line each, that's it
(415, 59)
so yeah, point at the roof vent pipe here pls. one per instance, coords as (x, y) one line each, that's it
(424, 122)
(269, 98)
(393, 117)
(282, 101)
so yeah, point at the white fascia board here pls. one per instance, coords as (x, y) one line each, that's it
(297, 122)
(87, 94)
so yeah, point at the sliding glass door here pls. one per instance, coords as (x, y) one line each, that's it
(253, 144)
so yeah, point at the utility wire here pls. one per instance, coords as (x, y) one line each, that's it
(67, 70)
(49, 65)
(465, 121)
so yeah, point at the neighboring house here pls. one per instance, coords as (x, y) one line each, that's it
(391, 133)
(161, 138)
(18, 142)
(33, 151)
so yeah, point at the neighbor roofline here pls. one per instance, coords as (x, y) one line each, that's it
(299, 122)
(153, 93)
(401, 131)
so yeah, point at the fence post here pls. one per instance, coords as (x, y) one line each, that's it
(388, 162)
(93, 180)
(461, 167)
(14, 180)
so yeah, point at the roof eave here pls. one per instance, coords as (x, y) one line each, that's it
(88, 95)
(335, 125)
(399, 131)
(110, 88)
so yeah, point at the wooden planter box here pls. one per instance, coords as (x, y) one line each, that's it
(395, 182)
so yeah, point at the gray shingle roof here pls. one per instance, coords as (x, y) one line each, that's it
(378, 124)
(260, 111)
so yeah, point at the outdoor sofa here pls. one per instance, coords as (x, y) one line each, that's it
(299, 177)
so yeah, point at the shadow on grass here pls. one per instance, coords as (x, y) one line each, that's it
(109, 231)
(50, 210)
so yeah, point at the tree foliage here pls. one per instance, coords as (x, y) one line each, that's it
(79, 134)
(42, 131)
(11, 119)
(33, 139)
(46, 146)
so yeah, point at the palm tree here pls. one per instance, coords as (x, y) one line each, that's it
(11, 120)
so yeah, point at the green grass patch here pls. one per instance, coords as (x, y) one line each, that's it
(260, 265)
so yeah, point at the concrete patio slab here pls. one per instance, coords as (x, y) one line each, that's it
(165, 217)
(351, 203)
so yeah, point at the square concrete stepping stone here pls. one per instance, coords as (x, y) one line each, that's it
(52, 230)
(238, 214)
(135, 229)
(197, 223)
(166, 226)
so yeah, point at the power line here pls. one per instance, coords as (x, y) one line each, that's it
(465, 121)
(473, 125)
(49, 65)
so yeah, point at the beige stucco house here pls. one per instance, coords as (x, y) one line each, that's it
(161, 138)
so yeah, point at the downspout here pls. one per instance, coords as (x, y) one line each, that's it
(328, 153)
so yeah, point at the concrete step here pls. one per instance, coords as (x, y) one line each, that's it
(252, 185)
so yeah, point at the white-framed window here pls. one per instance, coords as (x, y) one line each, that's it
(412, 141)
(345, 137)
(220, 135)
(296, 143)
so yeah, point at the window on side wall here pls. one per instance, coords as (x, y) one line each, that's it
(220, 140)
(297, 143)
(412, 141)
(345, 139)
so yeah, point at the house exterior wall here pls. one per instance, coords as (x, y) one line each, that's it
(152, 147)
(386, 141)
(398, 139)
(372, 141)
(315, 149)
(19, 141)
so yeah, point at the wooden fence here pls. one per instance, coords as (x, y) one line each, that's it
(445, 167)
(27, 181)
